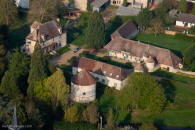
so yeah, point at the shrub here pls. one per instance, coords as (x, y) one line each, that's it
(72, 114)
(106, 58)
(84, 54)
(146, 126)
(51, 68)
(72, 60)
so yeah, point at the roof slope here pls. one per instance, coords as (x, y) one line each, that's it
(189, 18)
(125, 30)
(163, 56)
(83, 78)
(99, 3)
(102, 68)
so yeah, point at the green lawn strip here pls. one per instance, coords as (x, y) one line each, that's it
(172, 76)
(174, 43)
(119, 64)
(63, 125)
(63, 50)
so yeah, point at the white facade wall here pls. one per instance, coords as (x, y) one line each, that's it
(150, 67)
(184, 24)
(83, 94)
(102, 79)
(81, 4)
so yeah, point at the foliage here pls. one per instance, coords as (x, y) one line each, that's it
(52, 68)
(110, 122)
(8, 11)
(189, 57)
(157, 26)
(144, 17)
(124, 2)
(72, 114)
(182, 6)
(63, 50)
(91, 114)
(143, 92)
(191, 30)
(95, 36)
(145, 126)
(14, 81)
(44, 10)
(37, 68)
(193, 10)
(52, 90)
(72, 60)
(6, 107)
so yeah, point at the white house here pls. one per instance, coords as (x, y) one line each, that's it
(83, 87)
(50, 35)
(22, 3)
(132, 3)
(110, 75)
(185, 20)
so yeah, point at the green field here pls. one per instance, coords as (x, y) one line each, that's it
(175, 43)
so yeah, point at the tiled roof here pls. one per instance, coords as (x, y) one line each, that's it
(138, 49)
(99, 3)
(189, 18)
(125, 30)
(102, 68)
(83, 78)
(49, 30)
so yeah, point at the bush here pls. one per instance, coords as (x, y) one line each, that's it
(106, 58)
(84, 54)
(72, 114)
(51, 68)
(72, 60)
(146, 126)
(191, 30)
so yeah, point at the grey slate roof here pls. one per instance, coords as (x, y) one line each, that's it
(99, 3)
(126, 11)
(189, 18)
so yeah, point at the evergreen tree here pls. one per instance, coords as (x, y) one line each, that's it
(110, 123)
(182, 6)
(37, 68)
(8, 11)
(14, 81)
(124, 2)
(95, 36)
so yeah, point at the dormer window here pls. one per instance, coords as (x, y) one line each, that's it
(117, 76)
(104, 72)
(110, 74)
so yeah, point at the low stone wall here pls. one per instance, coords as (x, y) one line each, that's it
(170, 32)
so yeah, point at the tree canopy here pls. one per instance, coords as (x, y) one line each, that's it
(37, 68)
(95, 36)
(182, 6)
(8, 11)
(143, 92)
(14, 80)
(144, 17)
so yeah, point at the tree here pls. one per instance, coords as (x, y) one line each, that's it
(95, 36)
(72, 114)
(182, 6)
(91, 114)
(193, 10)
(14, 81)
(43, 10)
(8, 11)
(144, 17)
(110, 123)
(37, 68)
(157, 26)
(52, 90)
(124, 2)
(143, 92)
(146, 126)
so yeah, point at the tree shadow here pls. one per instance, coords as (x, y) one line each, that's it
(99, 90)
(169, 89)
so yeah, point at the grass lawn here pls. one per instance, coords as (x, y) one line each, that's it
(176, 44)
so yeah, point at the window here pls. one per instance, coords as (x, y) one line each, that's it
(117, 76)
(115, 84)
(103, 80)
(110, 74)
(97, 78)
(84, 93)
(104, 72)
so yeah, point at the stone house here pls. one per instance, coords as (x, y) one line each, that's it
(153, 57)
(83, 87)
(185, 20)
(110, 75)
(50, 35)
(132, 3)
(128, 30)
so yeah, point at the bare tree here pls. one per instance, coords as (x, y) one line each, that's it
(8, 11)
(42, 10)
